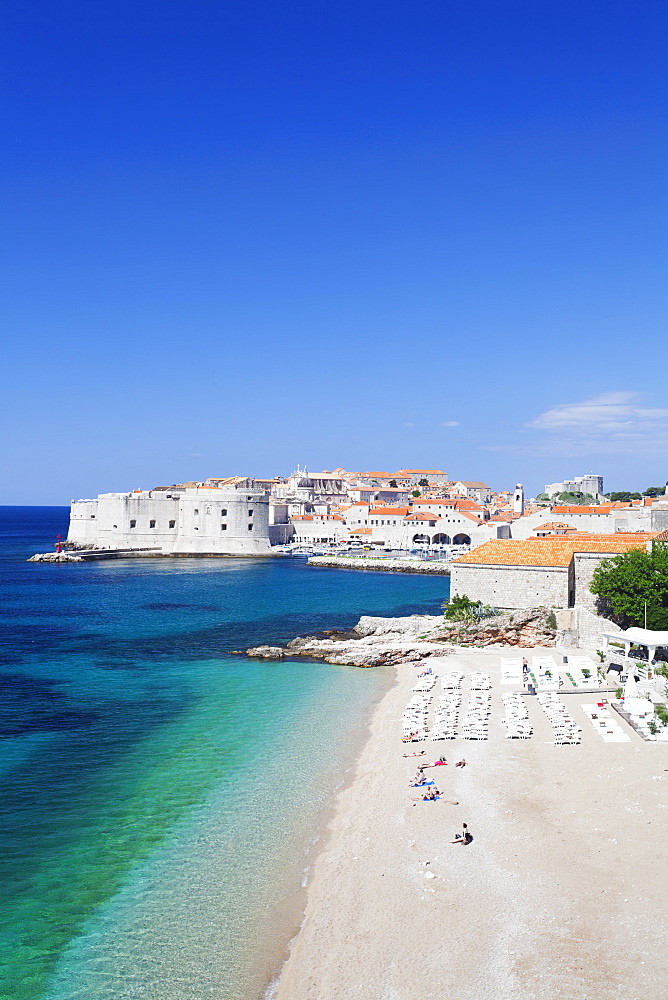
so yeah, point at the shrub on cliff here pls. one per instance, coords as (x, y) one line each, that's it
(461, 608)
(633, 587)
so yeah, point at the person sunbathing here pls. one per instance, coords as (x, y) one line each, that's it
(436, 763)
(461, 763)
(416, 753)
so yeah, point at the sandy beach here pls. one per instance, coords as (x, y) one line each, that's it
(561, 893)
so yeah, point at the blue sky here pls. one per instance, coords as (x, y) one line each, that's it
(239, 235)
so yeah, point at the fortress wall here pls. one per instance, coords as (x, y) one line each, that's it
(224, 522)
(512, 586)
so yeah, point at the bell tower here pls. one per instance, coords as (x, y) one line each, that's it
(518, 502)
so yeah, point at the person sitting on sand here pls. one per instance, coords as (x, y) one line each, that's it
(464, 837)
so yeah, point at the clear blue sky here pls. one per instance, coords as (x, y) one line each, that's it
(241, 234)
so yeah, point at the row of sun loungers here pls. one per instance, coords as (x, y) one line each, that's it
(564, 725)
(480, 681)
(516, 721)
(605, 724)
(426, 683)
(415, 717)
(476, 720)
(446, 716)
(452, 680)
(414, 721)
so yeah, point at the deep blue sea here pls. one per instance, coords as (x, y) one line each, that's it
(158, 795)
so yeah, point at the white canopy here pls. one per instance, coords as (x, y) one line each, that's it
(637, 637)
(646, 637)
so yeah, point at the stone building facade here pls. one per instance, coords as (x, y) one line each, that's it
(188, 521)
(551, 572)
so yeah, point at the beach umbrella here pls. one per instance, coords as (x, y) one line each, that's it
(630, 688)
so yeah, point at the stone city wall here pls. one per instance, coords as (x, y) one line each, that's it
(512, 586)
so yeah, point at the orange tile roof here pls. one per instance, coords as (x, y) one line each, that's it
(431, 472)
(471, 516)
(388, 511)
(550, 551)
(421, 516)
(360, 531)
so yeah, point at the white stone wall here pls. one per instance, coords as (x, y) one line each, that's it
(193, 521)
(83, 522)
(512, 586)
(318, 531)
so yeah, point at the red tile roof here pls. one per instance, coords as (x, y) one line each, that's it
(551, 551)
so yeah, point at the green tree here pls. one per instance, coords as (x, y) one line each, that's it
(577, 498)
(416, 493)
(654, 491)
(623, 497)
(629, 582)
(423, 482)
(393, 483)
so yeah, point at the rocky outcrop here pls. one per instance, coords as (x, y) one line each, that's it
(533, 627)
(266, 652)
(54, 557)
(378, 642)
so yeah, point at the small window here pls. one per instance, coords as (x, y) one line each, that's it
(223, 512)
(223, 527)
(250, 527)
(133, 524)
(151, 524)
(196, 510)
(250, 513)
(172, 524)
(92, 517)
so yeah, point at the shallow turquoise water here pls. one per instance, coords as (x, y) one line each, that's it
(158, 795)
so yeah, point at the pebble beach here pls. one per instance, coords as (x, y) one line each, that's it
(561, 892)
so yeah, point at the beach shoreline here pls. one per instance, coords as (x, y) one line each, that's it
(551, 899)
(284, 919)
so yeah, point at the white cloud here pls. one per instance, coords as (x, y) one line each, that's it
(613, 422)
(616, 413)
(450, 423)
(409, 425)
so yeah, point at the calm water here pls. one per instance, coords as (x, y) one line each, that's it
(159, 795)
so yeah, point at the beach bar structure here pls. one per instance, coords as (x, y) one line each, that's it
(650, 639)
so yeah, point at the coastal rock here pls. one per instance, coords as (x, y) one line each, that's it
(524, 628)
(266, 652)
(380, 642)
(412, 626)
(54, 557)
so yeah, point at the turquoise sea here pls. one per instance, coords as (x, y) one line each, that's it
(159, 796)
